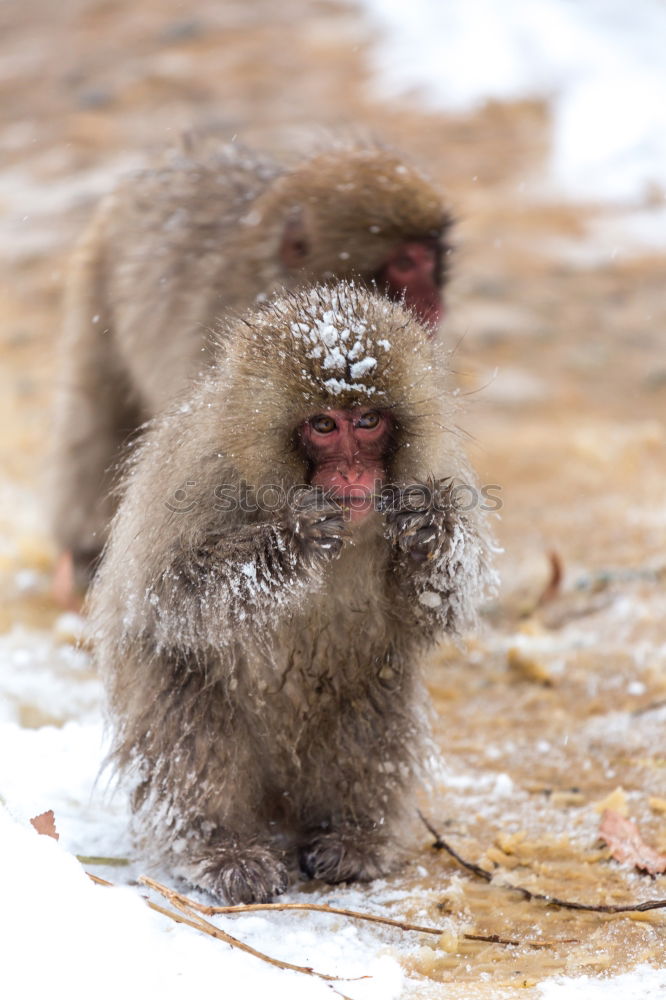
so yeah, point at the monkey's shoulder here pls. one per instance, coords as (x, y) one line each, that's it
(186, 198)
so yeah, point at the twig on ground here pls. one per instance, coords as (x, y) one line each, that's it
(178, 917)
(99, 881)
(441, 845)
(184, 905)
(316, 907)
(554, 585)
(195, 920)
(323, 908)
(651, 706)
(192, 904)
(93, 859)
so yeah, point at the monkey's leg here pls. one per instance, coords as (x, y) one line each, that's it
(230, 853)
(350, 851)
(63, 586)
(237, 871)
(219, 837)
(94, 422)
(95, 413)
(186, 734)
(351, 822)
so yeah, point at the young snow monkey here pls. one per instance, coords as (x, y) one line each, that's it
(289, 542)
(176, 248)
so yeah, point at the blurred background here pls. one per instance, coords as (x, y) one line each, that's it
(544, 121)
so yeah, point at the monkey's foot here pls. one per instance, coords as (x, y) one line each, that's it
(237, 874)
(353, 854)
(64, 588)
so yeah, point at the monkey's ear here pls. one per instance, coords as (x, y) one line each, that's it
(295, 244)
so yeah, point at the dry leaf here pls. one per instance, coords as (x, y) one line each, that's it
(626, 844)
(45, 824)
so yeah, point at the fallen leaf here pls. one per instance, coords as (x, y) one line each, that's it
(626, 844)
(45, 824)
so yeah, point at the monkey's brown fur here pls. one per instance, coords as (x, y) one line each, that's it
(177, 247)
(262, 666)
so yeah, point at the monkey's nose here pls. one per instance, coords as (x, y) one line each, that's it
(351, 474)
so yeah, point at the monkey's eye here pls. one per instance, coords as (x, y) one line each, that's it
(323, 424)
(369, 420)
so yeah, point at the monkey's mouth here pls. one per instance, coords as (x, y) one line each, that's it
(357, 501)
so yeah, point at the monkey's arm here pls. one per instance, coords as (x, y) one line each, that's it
(248, 575)
(439, 559)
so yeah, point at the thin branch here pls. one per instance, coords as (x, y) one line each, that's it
(441, 845)
(335, 910)
(554, 585)
(178, 917)
(99, 881)
(183, 904)
(650, 707)
(86, 859)
(496, 939)
(320, 908)
(199, 924)
(316, 907)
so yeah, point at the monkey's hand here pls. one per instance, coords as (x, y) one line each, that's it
(316, 522)
(418, 517)
(438, 558)
(265, 567)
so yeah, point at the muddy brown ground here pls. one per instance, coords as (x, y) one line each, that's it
(549, 708)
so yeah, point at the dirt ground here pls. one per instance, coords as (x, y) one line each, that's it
(562, 351)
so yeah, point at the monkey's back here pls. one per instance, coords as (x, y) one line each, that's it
(167, 239)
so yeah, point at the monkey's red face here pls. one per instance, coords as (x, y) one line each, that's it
(413, 270)
(348, 451)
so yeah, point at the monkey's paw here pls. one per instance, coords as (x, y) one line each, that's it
(418, 518)
(235, 874)
(317, 522)
(351, 855)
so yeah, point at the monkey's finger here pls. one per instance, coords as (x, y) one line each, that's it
(420, 544)
(329, 545)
